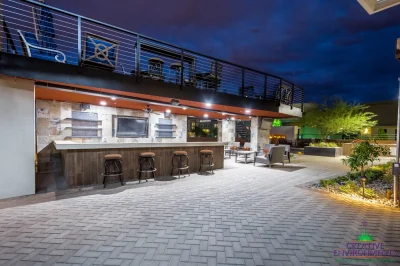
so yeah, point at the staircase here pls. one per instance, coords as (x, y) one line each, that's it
(242, 131)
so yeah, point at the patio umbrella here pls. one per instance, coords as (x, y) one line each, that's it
(46, 29)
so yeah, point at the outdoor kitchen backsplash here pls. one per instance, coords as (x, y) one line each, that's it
(53, 122)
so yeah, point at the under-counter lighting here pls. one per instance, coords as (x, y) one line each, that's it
(206, 115)
(103, 103)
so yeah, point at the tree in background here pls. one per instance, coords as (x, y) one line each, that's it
(339, 117)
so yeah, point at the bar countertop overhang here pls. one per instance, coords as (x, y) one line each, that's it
(70, 145)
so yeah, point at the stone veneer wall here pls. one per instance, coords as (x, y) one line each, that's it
(228, 131)
(52, 124)
(259, 137)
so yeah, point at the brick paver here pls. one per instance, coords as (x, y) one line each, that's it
(242, 215)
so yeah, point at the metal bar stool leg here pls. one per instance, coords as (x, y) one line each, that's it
(153, 162)
(105, 173)
(140, 169)
(187, 161)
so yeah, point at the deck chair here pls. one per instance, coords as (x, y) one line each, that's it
(32, 48)
(9, 43)
(101, 52)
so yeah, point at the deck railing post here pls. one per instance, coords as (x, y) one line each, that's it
(292, 97)
(79, 40)
(137, 72)
(216, 75)
(280, 92)
(302, 100)
(242, 90)
(265, 87)
(182, 69)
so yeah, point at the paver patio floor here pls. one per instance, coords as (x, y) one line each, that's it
(242, 215)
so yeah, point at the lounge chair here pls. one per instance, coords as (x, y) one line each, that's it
(32, 48)
(274, 155)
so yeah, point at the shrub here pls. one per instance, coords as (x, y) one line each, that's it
(353, 175)
(374, 173)
(324, 144)
(340, 179)
(369, 193)
(326, 183)
(349, 188)
(363, 153)
(387, 179)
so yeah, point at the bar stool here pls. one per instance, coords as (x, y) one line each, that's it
(177, 68)
(180, 161)
(146, 164)
(206, 159)
(112, 167)
(156, 66)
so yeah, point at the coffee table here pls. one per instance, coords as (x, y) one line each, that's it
(245, 153)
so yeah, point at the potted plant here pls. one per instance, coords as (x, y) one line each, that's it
(363, 153)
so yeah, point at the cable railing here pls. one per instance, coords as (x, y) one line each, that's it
(37, 30)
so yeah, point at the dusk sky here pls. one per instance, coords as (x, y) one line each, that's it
(330, 48)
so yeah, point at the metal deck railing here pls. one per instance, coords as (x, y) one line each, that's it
(37, 30)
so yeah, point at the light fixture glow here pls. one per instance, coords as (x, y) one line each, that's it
(184, 108)
(168, 111)
(208, 104)
(233, 118)
(249, 116)
(247, 111)
(223, 113)
(103, 103)
(113, 98)
(206, 115)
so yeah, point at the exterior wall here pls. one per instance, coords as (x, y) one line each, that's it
(17, 137)
(390, 131)
(259, 137)
(219, 131)
(228, 131)
(48, 132)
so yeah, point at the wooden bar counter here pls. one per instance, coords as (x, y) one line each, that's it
(83, 163)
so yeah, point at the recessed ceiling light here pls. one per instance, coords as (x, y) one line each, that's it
(103, 103)
(233, 118)
(247, 111)
(168, 111)
(223, 113)
(208, 104)
(206, 115)
(249, 116)
(184, 108)
(113, 98)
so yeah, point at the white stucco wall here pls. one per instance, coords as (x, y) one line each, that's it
(17, 137)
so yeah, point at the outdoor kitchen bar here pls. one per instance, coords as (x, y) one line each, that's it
(84, 163)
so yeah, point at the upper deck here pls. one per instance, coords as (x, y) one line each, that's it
(62, 39)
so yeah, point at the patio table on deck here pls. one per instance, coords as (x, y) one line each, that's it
(245, 153)
(83, 163)
(170, 53)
